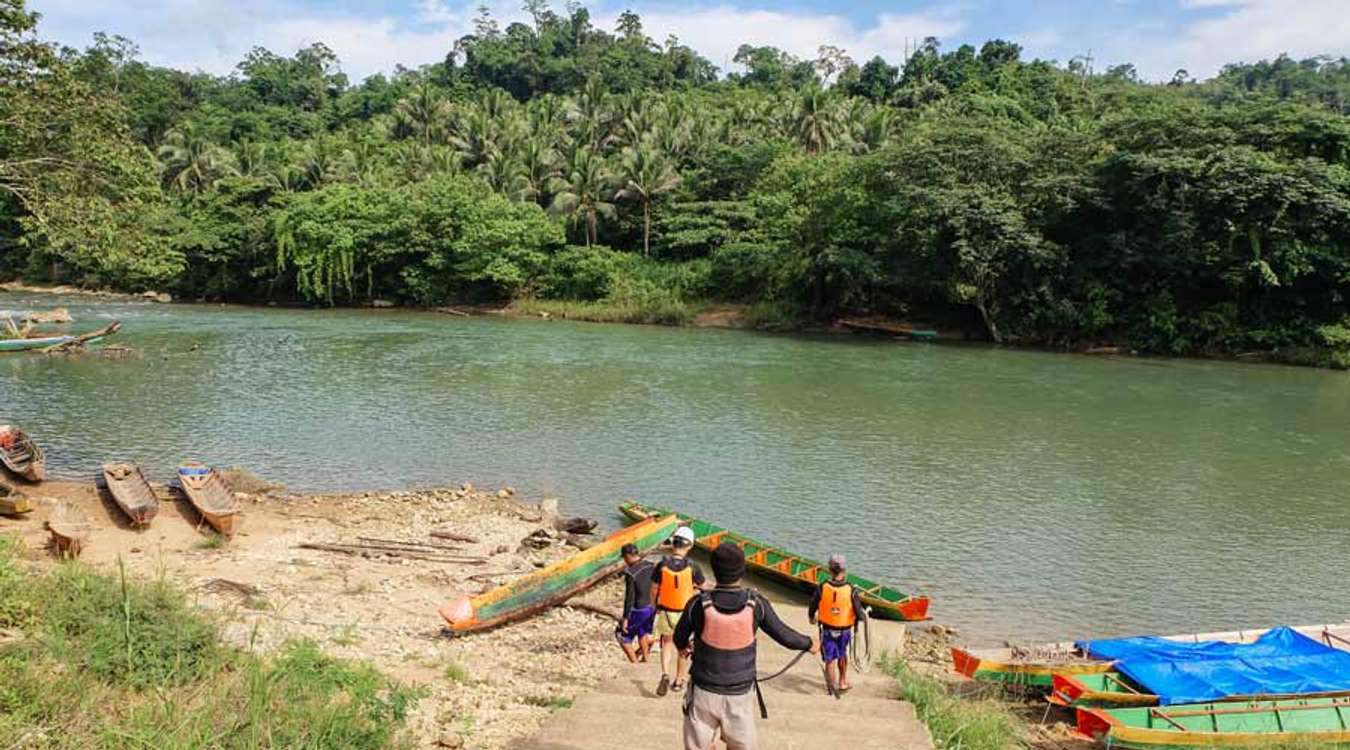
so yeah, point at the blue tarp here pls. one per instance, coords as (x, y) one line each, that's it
(1282, 661)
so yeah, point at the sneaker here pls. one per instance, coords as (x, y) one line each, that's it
(677, 687)
(663, 686)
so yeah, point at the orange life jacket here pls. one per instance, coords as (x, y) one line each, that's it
(836, 606)
(675, 588)
(728, 632)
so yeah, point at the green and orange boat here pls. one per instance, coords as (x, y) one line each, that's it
(557, 583)
(793, 570)
(1280, 723)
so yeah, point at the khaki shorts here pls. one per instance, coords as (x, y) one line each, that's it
(666, 621)
(705, 713)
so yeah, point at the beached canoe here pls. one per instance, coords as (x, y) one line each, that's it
(793, 570)
(131, 492)
(1036, 666)
(21, 455)
(1115, 690)
(46, 342)
(70, 530)
(209, 495)
(1303, 722)
(552, 586)
(13, 502)
(555, 584)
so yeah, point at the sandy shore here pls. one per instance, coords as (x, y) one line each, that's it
(483, 691)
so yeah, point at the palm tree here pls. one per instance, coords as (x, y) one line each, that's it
(582, 192)
(423, 113)
(501, 171)
(477, 137)
(870, 128)
(538, 170)
(322, 162)
(814, 121)
(646, 173)
(251, 159)
(190, 161)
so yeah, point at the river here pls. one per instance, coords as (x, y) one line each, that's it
(1032, 495)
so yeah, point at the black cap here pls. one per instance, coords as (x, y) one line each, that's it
(728, 563)
(629, 549)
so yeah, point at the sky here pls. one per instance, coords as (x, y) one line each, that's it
(1157, 36)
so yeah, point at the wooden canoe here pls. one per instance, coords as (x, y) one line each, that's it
(21, 455)
(1302, 722)
(793, 570)
(131, 492)
(43, 343)
(13, 502)
(555, 584)
(207, 492)
(70, 530)
(1114, 690)
(1036, 666)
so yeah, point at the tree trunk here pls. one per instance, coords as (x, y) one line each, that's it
(590, 228)
(988, 318)
(647, 229)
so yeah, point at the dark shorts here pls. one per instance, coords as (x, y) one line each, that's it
(640, 623)
(834, 644)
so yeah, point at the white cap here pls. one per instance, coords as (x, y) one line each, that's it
(684, 534)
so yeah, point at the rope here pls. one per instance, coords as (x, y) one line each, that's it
(784, 670)
(862, 659)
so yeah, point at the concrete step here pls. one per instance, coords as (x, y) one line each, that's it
(611, 722)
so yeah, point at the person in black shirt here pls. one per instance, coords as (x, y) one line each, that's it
(719, 627)
(639, 613)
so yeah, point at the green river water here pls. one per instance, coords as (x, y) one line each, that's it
(1033, 495)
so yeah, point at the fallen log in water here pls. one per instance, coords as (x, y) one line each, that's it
(79, 341)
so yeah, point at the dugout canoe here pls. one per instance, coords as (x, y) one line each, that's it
(70, 530)
(1301, 722)
(793, 570)
(131, 492)
(21, 455)
(1114, 690)
(555, 584)
(40, 343)
(207, 492)
(13, 503)
(1036, 666)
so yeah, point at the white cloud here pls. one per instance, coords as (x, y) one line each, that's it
(1241, 31)
(213, 36)
(717, 31)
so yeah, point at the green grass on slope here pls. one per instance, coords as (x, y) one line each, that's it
(95, 661)
(955, 723)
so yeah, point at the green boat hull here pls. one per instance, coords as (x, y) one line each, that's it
(1324, 722)
(793, 570)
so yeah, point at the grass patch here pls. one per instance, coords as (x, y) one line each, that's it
(456, 672)
(551, 702)
(655, 311)
(955, 723)
(212, 540)
(109, 662)
(347, 635)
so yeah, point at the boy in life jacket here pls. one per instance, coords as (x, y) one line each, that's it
(720, 626)
(677, 580)
(837, 607)
(639, 613)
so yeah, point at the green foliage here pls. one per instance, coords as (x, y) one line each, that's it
(1016, 199)
(114, 663)
(955, 723)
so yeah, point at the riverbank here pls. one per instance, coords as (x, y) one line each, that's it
(479, 692)
(763, 317)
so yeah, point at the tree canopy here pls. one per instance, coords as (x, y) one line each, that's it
(1022, 200)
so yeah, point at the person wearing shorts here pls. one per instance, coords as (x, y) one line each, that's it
(677, 581)
(639, 613)
(836, 606)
